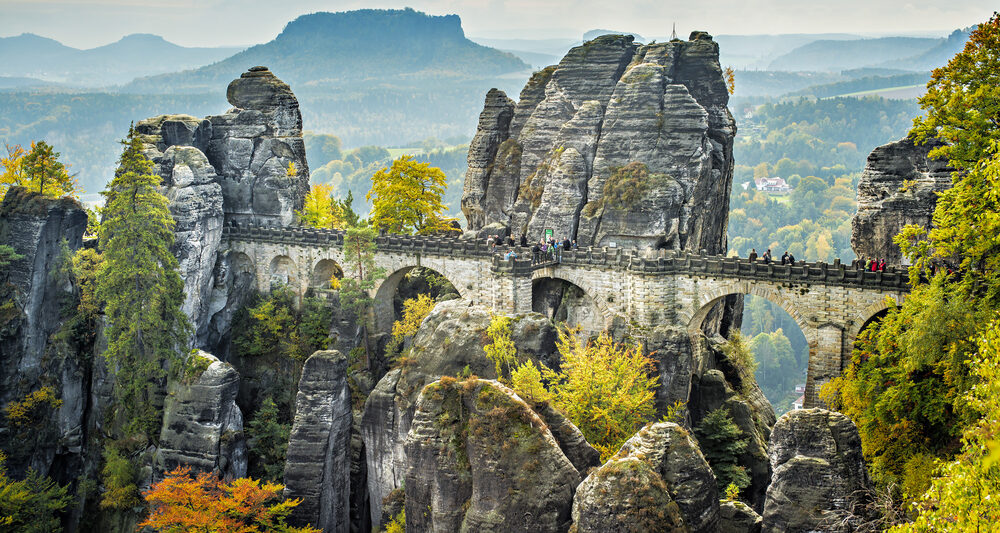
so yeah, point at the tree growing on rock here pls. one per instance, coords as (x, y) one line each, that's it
(607, 390)
(38, 170)
(360, 276)
(406, 198)
(140, 289)
(722, 442)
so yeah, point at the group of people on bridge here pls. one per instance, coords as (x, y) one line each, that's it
(786, 258)
(541, 252)
(869, 264)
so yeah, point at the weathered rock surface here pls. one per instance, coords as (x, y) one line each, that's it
(750, 412)
(202, 426)
(607, 104)
(658, 481)
(898, 187)
(480, 459)
(818, 467)
(738, 517)
(252, 146)
(36, 228)
(318, 462)
(449, 341)
(191, 185)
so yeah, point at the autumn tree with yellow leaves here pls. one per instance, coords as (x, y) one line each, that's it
(406, 198)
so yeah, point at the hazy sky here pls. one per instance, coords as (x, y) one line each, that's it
(88, 23)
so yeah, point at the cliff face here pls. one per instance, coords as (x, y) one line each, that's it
(619, 143)
(247, 165)
(35, 292)
(899, 186)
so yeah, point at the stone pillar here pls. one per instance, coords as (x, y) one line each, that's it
(826, 348)
(511, 288)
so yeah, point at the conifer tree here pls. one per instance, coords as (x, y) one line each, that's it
(722, 442)
(141, 289)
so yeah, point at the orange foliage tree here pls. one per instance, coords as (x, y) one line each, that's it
(183, 502)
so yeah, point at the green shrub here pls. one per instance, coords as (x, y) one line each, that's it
(722, 442)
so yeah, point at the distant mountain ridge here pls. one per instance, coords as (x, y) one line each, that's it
(33, 56)
(841, 55)
(323, 49)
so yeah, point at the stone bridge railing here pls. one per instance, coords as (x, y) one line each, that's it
(653, 262)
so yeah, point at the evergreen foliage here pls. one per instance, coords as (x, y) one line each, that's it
(31, 505)
(268, 443)
(722, 442)
(119, 478)
(406, 198)
(141, 290)
(38, 170)
(360, 275)
(273, 326)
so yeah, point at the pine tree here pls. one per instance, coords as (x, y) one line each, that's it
(360, 275)
(38, 170)
(722, 442)
(141, 289)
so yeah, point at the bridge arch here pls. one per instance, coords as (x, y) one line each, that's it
(383, 305)
(283, 271)
(601, 315)
(708, 299)
(866, 316)
(323, 271)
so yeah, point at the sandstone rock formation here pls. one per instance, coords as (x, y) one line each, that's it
(738, 517)
(480, 459)
(898, 187)
(658, 481)
(247, 165)
(318, 462)
(554, 159)
(202, 426)
(39, 293)
(449, 342)
(818, 467)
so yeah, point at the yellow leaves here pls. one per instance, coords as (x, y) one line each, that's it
(26, 411)
(406, 198)
(291, 171)
(730, 77)
(38, 170)
(182, 502)
(501, 351)
(526, 380)
(320, 209)
(414, 312)
(605, 389)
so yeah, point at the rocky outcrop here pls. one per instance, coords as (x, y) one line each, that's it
(658, 481)
(899, 186)
(202, 426)
(318, 462)
(659, 109)
(449, 342)
(480, 459)
(750, 412)
(190, 183)
(818, 469)
(258, 151)
(737, 517)
(246, 166)
(36, 299)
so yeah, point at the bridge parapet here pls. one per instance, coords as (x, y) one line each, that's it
(642, 261)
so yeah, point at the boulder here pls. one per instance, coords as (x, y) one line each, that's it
(480, 459)
(738, 517)
(202, 425)
(899, 186)
(610, 103)
(449, 342)
(318, 461)
(818, 471)
(658, 481)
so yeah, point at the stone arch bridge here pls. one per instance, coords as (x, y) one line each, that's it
(829, 302)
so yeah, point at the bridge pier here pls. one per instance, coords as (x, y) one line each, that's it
(826, 358)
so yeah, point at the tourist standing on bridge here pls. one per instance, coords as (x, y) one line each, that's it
(791, 259)
(574, 244)
(881, 265)
(536, 256)
(524, 241)
(784, 258)
(767, 257)
(753, 255)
